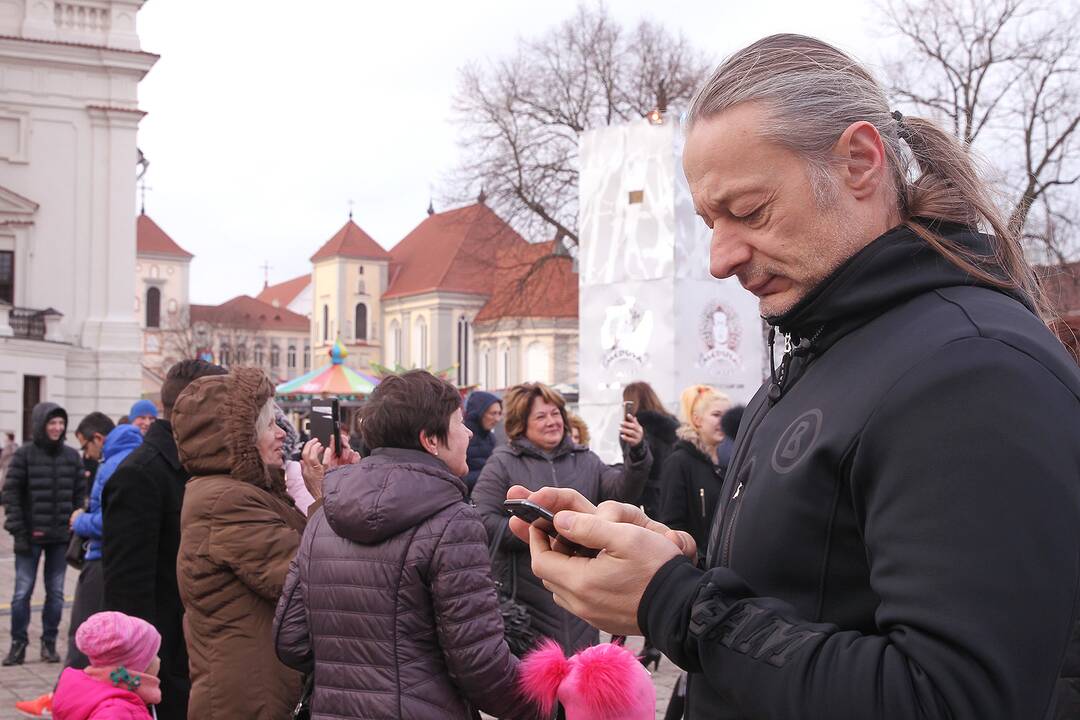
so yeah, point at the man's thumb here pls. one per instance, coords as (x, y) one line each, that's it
(579, 527)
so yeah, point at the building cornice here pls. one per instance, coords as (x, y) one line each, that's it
(70, 54)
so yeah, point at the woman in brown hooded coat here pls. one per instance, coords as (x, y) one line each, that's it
(239, 531)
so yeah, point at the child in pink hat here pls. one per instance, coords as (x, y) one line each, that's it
(122, 678)
(603, 682)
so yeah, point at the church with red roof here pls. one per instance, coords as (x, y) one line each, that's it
(462, 291)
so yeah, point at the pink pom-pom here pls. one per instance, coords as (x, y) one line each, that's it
(541, 673)
(609, 680)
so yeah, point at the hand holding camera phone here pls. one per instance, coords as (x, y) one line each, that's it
(630, 431)
(541, 518)
(326, 423)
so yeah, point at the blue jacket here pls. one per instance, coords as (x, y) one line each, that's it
(482, 443)
(118, 445)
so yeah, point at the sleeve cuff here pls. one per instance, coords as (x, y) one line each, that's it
(670, 589)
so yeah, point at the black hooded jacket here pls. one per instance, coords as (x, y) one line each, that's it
(900, 528)
(691, 485)
(482, 443)
(44, 484)
(660, 435)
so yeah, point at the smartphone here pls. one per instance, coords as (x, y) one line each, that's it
(543, 519)
(628, 408)
(326, 422)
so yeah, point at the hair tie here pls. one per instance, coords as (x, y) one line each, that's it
(902, 130)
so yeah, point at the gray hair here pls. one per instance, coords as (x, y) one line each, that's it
(812, 92)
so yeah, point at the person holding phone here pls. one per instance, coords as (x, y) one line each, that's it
(540, 454)
(390, 600)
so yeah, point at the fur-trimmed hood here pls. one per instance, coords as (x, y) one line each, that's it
(214, 425)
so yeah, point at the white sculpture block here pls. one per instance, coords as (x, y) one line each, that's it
(649, 310)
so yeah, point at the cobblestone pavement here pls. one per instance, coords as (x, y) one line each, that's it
(27, 681)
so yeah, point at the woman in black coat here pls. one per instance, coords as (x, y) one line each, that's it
(692, 478)
(660, 427)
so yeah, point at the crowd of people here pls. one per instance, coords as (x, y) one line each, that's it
(891, 527)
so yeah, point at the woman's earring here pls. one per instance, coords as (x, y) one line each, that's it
(436, 452)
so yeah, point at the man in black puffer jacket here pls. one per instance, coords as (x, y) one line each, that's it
(899, 531)
(44, 487)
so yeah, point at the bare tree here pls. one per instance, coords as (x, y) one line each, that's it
(228, 336)
(1003, 74)
(521, 116)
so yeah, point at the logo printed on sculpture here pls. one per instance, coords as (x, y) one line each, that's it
(720, 332)
(625, 335)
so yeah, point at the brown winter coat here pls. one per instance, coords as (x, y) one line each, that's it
(567, 466)
(391, 598)
(239, 531)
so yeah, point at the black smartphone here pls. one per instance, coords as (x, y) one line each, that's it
(543, 519)
(628, 409)
(326, 422)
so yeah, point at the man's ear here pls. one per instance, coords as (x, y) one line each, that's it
(861, 161)
(428, 443)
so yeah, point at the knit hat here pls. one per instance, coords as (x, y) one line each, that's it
(113, 639)
(602, 682)
(143, 407)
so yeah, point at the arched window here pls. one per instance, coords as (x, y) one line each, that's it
(325, 322)
(275, 356)
(225, 354)
(419, 343)
(360, 326)
(395, 343)
(537, 363)
(463, 342)
(307, 357)
(260, 356)
(292, 357)
(504, 366)
(241, 354)
(153, 308)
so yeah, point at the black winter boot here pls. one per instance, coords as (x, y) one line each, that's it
(48, 651)
(16, 655)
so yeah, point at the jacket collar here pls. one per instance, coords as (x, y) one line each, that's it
(524, 446)
(160, 437)
(894, 268)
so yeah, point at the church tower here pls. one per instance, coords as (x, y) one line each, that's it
(349, 274)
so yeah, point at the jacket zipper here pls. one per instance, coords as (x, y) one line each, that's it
(734, 504)
(701, 491)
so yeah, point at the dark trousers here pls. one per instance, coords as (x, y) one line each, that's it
(26, 567)
(89, 599)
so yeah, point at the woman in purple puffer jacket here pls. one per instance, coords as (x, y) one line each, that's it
(390, 599)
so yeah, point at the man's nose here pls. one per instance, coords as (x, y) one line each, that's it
(728, 251)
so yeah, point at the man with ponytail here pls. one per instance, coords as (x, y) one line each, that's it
(899, 529)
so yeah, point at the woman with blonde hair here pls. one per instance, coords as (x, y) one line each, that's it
(692, 479)
(540, 454)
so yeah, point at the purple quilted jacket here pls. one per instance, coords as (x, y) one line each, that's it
(390, 598)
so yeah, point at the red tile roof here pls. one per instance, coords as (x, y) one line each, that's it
(150, 238)
(532, 282)
(283, 293)
(453, 251)
(245, 312)
(351, 242)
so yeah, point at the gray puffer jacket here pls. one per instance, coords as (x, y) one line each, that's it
(567, 466)
(390, 598)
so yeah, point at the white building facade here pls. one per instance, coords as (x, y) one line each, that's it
(69, 75)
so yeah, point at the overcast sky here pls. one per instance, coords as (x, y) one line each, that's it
(267, 117)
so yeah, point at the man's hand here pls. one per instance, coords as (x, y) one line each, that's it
(631, 432)
(71, 520)
(347, 456)
(605, 591)
(559, 499)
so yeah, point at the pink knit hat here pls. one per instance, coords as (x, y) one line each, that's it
(112, 639)
(602, 682)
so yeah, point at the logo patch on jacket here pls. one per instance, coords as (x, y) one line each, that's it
(797, 441)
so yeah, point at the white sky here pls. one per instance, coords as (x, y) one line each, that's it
(267, 116)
